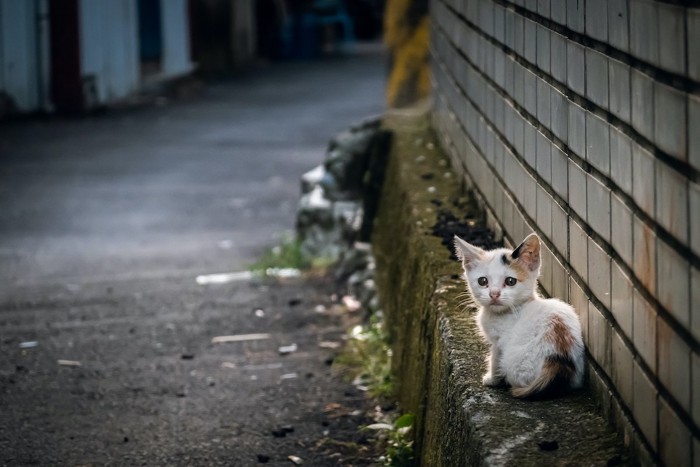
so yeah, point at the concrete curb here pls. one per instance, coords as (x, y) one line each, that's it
(438, 353)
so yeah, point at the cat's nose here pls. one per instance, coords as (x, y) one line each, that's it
(494, 293)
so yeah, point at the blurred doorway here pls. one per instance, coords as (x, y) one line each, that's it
(150, 37)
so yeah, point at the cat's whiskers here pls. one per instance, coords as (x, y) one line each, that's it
(468, 303)
(465, 294)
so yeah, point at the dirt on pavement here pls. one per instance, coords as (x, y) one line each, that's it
(172, 397)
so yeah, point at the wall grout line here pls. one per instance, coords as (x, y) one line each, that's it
(681, 82)
(679, 166)
(658, 229)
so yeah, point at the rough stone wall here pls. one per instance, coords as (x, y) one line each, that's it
(580, 120)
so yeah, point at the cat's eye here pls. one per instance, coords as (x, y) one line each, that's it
(511, 281)
(483, 281)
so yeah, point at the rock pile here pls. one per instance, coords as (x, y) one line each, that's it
(338, 203)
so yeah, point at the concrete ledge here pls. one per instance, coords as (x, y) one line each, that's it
(439, 357)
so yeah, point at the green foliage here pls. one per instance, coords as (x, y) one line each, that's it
(287, 254)
(404, 421)
(367, 358)
(399, 452)
(399, 442)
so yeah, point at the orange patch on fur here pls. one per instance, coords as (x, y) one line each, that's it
(521, 271)
(556, 376)
(528, 252)
(560, 336)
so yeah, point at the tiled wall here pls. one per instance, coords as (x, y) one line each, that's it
(580, 120)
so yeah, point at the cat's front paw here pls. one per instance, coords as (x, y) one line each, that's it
(491, 380)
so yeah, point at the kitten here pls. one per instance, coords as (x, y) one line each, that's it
(536, 343)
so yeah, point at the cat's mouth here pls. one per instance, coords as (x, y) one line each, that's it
(498, 305)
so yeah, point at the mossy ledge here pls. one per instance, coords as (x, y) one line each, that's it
(439, 357)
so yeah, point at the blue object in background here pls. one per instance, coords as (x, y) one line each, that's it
(304, 36)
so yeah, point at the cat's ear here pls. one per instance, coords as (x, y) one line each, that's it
(528, 252)
(467, 252)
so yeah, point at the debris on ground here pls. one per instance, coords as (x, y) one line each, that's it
(287, 349)
(282, 273)
(329, 345)
(264, 366)
(379, 426)
(288, 428)
(239, 338)
(331, 209)
(69, 363)
(295, 460)
(28, 344)
(224, 277)
(336, 410)
(351, 303)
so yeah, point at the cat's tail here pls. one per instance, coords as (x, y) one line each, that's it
(556, 376)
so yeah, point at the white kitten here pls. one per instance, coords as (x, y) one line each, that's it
(536, 344)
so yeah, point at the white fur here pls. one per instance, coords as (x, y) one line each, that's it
(518, 344)
(516, 325)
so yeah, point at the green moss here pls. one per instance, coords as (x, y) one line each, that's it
(409, 259)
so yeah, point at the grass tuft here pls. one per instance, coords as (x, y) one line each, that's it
(288, 254)
(397, 439)
(399, 452)
(366, 358)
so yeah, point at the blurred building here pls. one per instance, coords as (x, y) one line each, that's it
(73, 55)
(224, 34)
(76, 55)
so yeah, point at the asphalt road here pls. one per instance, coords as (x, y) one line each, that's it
(107, 220)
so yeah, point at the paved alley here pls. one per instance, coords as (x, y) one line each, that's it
(108, 219)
